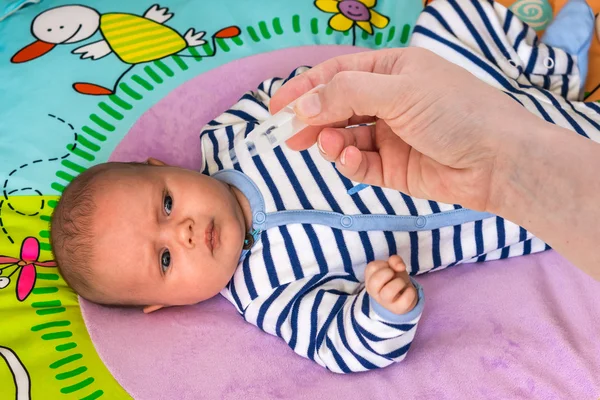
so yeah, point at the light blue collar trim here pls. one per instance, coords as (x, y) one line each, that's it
(257, 204)
(250, 190)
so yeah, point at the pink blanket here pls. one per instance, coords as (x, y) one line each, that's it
(524, 328)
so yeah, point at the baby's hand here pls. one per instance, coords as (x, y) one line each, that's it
(388, 283)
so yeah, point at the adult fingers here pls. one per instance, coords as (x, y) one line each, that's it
(308, 136)
(332, 141)
(323, 73)
(352, 93)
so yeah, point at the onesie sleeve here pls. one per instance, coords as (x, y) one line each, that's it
(330, 319)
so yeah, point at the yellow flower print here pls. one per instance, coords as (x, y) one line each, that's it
(350, 13)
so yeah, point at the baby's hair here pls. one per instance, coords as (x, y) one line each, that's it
(71, 232)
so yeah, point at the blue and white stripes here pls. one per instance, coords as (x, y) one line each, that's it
(303, 280)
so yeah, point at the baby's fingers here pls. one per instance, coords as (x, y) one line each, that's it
(397, 263)
(378, 278)
(392, 290)
(373, 267)
(406, 301)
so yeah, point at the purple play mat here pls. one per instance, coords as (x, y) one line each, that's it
(524, 328)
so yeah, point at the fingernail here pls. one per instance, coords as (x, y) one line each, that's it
(343, 156)
(309, 105)
(319, 145)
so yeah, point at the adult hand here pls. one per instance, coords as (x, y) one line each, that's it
(444, 135)
(439, 134)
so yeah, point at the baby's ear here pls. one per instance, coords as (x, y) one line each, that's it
(149, 309)
(154, 161)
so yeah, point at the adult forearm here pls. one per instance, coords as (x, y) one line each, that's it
(549, 183)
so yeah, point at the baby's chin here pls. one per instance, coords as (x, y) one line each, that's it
(229, 267)
(231, 240)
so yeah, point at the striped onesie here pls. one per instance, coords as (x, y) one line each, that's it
(315, 230)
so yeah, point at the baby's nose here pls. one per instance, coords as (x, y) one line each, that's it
(186, 232)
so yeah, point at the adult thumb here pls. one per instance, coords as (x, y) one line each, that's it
(352, 93)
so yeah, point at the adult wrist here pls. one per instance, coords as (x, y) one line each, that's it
(521, 151)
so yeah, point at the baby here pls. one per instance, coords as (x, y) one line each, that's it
(300, 251)
(152, 235)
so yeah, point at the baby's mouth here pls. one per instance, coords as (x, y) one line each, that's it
(211, 237)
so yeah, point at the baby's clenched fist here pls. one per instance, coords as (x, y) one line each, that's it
(389, 284)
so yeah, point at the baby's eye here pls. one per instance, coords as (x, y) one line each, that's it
(165, 260)
(168, 204)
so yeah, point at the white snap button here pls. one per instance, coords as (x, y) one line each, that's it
(548, 63)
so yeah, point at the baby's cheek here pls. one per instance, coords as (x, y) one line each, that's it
(189, 290)
(211, 281)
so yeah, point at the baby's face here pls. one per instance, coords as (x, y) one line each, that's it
(165, 236)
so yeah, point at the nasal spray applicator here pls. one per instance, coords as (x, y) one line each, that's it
(277, 129)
